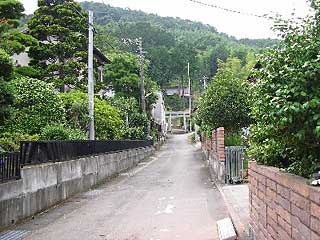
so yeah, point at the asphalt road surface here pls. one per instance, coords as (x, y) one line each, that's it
(169, 196)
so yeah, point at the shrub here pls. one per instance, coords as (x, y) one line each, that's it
(226, 102)
(5, 91)
(233, 139)
(130, 111)
(35, 106)
(134, 133)
(108, 124)
(27, 71)
(10, 142)
(286, 103)
(60, 132)
(54, 132)
(77, 134)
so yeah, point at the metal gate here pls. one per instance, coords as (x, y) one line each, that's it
(234, 164)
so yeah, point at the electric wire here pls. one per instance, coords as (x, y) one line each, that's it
(265, 16)
(94, 29)
(262, 16)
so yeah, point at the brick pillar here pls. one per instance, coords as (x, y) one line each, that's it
(214, 140)
(220, 144)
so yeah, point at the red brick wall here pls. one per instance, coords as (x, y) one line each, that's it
(213, 148)
(282, 205)
(218, 144)
(206, 143)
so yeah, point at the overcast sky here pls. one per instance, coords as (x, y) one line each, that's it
(237, 25)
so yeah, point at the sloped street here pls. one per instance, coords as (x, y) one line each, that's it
(170, 196)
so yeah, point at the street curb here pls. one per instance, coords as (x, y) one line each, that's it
(239, 227)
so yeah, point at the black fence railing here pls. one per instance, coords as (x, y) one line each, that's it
(9, 166)
(58, 151)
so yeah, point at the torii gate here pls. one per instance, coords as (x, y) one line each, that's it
(171, 115)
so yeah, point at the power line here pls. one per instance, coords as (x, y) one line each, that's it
(91, 25)
(265, 16)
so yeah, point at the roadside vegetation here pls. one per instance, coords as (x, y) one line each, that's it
(47, 100)
(226, 101)
(286, 99)
(278, 99)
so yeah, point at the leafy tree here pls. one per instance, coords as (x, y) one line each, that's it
(286, 101)
(169, 43)
(226, 102)
(106, 42)
(183, 54)
(123, 76)
(152, 35)
(61, 28)
(108, 124)
(11, 42)
(5, 93)
(35, 106)
(259, 43)
(161, 67)
(137, 123)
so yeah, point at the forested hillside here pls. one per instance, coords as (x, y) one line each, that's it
(170, 43)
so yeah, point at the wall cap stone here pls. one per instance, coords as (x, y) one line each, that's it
(294, 182)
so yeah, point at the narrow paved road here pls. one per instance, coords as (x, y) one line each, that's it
(168, 197)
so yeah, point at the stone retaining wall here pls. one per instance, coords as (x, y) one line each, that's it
(42, 186)
(282, 205)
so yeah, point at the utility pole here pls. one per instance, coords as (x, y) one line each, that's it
(138, 42)
(190, 96)
(90, 79)
(141, 58)
(205, 82)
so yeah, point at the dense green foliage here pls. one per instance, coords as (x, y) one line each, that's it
(59, 133)
(170, 43)
(122, 76)
(137, 123)
(226, 103)
(5, 93)
(175, 102)
(108, 124)
(286, 100)
(10, 142)
(11, 41)
(61, 54)
(233, 139)
(57, 39)
(35, 106)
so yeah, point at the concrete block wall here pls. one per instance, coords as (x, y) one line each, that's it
(282, 205)
(42, 186)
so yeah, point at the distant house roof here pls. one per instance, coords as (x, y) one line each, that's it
(100, 56)
(169, 91)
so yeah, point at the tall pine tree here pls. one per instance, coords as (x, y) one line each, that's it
(61, 28)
